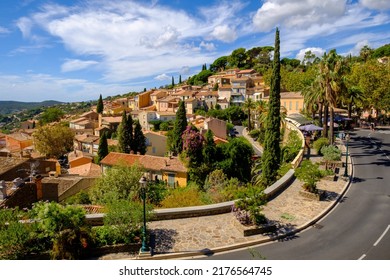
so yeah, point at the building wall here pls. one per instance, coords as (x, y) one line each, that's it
(144, 99)
(218, 127)
(180, 178)
(293, 105)
(156, 144)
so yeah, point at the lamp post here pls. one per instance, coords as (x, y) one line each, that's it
(346, 155)
(143, 183)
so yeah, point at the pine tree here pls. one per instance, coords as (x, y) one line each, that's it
(139, 139)
(174, 138)
(271, 155)
(99, 107)
(103, 148)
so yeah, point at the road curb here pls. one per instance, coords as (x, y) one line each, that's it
(205, 252)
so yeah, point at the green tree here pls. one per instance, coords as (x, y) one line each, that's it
(125, 134)
(53, 140)
(103, 148)
(99, 107)
(139, 139)
(249, 105)
(118, 182)
(175, 140)
(237, 58)
(173, 82)
(50, 115)
(271, 155)
(180, 79)
(209, 149)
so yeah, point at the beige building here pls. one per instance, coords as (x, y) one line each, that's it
(293, 102)
(156, 143)
(218, 127)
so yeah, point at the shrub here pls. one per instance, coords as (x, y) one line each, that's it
(156, 192)
(65, 226)
(310, 174)
(111, 235)
(319, 143)
(248, 209)
(81, 197)
(254, 133)
(331, 153)
(182, 197)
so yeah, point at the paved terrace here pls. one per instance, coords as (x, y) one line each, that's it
(289, 210)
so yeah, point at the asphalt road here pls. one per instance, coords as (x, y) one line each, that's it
(358, 227)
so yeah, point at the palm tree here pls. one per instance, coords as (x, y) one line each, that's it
(249, 105)
(331, 73)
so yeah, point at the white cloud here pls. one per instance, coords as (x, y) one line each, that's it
(297, 14)
(207, 46)
(224, 33)
(25, 24)
(318, 52)
(3, 30)
(168, 38)
(76, 64)
(163, 77)
(376, 4)
(359, 45)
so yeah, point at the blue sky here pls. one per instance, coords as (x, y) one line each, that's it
(76, 50)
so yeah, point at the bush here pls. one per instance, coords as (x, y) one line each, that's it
(182, 197)
(248, 209)
(331, 153)
(254, 133)
(65, 226)
(319, 143)
(81, 197)
(156, 192)
(310, 174)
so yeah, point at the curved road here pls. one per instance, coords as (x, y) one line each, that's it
(359, 226)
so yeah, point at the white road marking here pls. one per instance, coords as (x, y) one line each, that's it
(383, 234)
(362, 257)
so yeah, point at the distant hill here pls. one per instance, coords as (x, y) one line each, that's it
(8, 107)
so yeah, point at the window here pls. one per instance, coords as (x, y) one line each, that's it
(153, 150)
(290, 105)
(171, 179)
(297, 105)
(285, 104)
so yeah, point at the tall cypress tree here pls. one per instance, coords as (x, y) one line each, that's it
(180, 124)
(129, 134)
(271, 154)
(173, 82)
(180, 79)
(99, 107)
(122, 134)
(103, 148)
(139, 139)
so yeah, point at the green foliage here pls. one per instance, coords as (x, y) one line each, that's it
(292, 147)
(99, 106)
(271, 154)
(139, 139)
(331, 153)
(283, 169)
(220, 188)
(125, 134)
(16, 239)
(50, 115)
(65, 226)
(201, 78)
(81, 197)
(219, 64)
(237, 159)
(251, 202)
(175, 140)
(156, 192)
(127, 217)
(53, 140)
(209, 151)
(118, 182)
(382, 51)
(237, 58)
(182, 197)
(103, 148)
(310, 174)
(319, 143)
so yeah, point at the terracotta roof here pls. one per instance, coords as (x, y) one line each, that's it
(112, 119)
(166, 113)
(78, 154)
(86, 170)
(78, 120)
(246, 71)
(19, 136)
(148, 162)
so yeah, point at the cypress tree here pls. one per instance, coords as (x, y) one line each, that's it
(99, 107)
(122, 142)
(209, 149)
(271, 155)
(103, 148)
(173, 82)
(180, 79)
(129, 134)
(139, 139)
(180, 124)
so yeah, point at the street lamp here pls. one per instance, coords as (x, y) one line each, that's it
(346, 155)
(143, 183)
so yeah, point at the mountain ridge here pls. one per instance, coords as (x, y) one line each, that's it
(9, 106)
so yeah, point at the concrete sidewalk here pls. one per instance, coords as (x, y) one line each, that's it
(195, 236)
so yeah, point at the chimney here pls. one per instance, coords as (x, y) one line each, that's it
(17, 182)
(38, 182)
